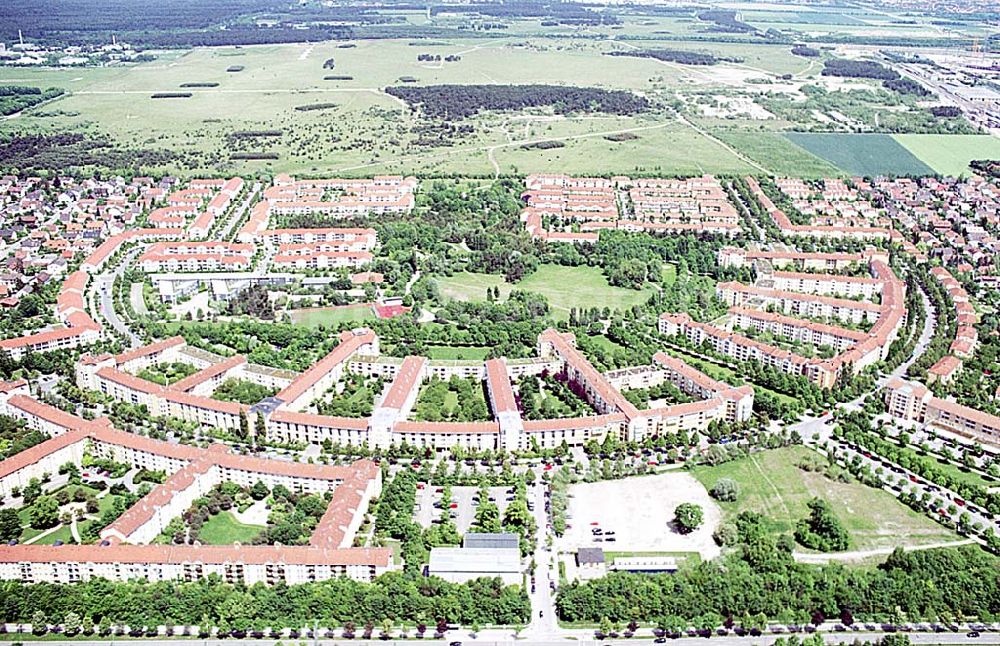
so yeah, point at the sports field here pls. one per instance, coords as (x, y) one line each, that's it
(771, 484)
(332, 315)
(862, 154)
(564, 287)
(951, 154)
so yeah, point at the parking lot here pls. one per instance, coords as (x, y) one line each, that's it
(637, 513)
(464, 507)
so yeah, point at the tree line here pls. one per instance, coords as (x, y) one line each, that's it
(210, 602)
(461, 101)
(761, 577)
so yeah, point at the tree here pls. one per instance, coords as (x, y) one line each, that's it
(32, 491)
(39, 623)
(822, 530)
(244, 429)
(71, 624)
(10, 525)
(260, 430)
(726, 490)
(259, 490)
(44, 513)
(688, 517)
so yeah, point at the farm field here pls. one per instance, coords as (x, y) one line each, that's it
(224, 529)
(771, 484)
(779, 155)
(951, 154)
(862, 154)
(564, 287)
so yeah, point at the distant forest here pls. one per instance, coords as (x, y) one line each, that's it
(14, 98)
(178, 23)
(29, 153)
(676, 56)
(460, 101)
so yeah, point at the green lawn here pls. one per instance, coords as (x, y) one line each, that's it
(564, 287)
(669, 274)
(951, 154)
(64, 534)
(771, 483)
(457, 353)
(224, 529)
(332, 316)
(167, 373)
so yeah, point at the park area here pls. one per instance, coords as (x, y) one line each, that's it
(772, 483)
(565, 288)
(640, 512)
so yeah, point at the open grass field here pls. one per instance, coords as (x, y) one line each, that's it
(778, 154)
(366, 131)
(771, 484)
(951, 154)
(224, 529)
(564, 287)
(332, 315)
(862, 154)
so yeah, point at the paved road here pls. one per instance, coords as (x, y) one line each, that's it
(105, 298)
(238, 213)
(543, 624)
(572, 637)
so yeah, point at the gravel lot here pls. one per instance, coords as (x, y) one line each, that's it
(639, 511)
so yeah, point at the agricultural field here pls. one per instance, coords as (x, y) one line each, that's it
(564, 287)
(862, 154)
(951, 154)
(779, 155)
(770, 483)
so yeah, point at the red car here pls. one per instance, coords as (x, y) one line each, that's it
(595, 523)
(453, 505)
(959, 502)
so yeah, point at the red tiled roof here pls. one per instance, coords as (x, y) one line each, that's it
(349, 344)
(214, 554)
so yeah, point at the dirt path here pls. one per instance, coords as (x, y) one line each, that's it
(777, 493)
(733, 151)
(494, 147)
(858, 555)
